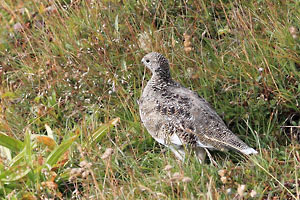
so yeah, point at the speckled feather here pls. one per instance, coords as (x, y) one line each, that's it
(176, 115)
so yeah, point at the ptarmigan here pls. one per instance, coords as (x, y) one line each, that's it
(179, 119)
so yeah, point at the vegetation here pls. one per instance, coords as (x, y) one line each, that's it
(70, 80)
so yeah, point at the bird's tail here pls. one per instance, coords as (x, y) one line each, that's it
(236, 144)
(249, 151)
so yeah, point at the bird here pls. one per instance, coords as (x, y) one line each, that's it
(179, 118)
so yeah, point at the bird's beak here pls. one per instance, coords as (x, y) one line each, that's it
(143, 61)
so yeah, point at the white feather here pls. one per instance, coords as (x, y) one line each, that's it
(174, 139)
(160, 140)
(249, 151)
(204, 146)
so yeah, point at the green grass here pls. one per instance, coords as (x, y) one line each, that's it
(71, 78)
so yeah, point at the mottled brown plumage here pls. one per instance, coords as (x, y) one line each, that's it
(177, 117)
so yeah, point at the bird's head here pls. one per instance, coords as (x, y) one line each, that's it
(157, 63)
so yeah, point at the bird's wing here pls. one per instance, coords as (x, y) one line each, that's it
(193, 116)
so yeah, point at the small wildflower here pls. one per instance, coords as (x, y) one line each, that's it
(144, 41)
(144, 188)
(253, 193)
(83, 163)
(222, 172)
(161, 194)
(50, 184)
(51, 9)
(229, 191)
(190, 72)
(74, 172)
(176, 176)
(241, 189)
(80, 171)
(187, 43)
(72, 178)
(88, 165)
(224, 179)
(45, 171)
(168, 167)
(186, 179)
(107, 153)
(53, 175)
(85, 174)
(260, 69)
(18, 27)
(224, 31)
(293, 31)
(188, 49)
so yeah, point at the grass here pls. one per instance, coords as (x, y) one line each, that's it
(70, 80)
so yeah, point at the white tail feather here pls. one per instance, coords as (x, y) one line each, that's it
(249, 151)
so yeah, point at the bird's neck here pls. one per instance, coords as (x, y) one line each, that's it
(160, 82)
(161, 75)
(160, 79)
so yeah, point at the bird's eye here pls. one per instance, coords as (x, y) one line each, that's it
(147, 61)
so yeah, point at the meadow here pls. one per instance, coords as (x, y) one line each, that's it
(71, 75)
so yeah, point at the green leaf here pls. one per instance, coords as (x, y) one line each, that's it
(28, 149)
(15, 173)
(8, 95)
(17, 159)
(117, 23)
(102, 130)
(60, 150)
(10, 143)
